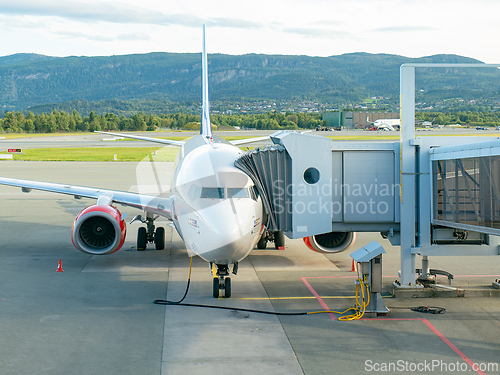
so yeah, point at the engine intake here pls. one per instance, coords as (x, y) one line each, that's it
(99, 230)
(333, 242)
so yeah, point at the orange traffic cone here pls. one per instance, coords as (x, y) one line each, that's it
(353, 267)
(59, 267)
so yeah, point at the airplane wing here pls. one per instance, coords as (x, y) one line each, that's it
(249, 140)
(140, 138)
(265, 138)
(155, 204)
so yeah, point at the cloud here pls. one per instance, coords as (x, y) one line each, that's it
(312, 32)
(328, 23)
(398, 29)
(113, 13)
(233, 22)
(105, 38)
(134, 37)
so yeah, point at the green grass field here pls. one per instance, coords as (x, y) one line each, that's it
(36, 135)
(97, 154)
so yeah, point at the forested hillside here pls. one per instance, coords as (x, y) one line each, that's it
(28, 80)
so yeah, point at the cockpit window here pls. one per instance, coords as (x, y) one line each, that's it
(238, 193)
(212, 193)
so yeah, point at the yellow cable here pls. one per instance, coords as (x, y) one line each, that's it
(359, 308)
(190, 267)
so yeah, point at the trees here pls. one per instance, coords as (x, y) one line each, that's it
(461, 118)
(62, 122)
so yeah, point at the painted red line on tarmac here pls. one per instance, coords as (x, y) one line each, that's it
(320, 300)
(425, 321)
(338, 277)
(453, 347)
(355, 276)
(438, 334)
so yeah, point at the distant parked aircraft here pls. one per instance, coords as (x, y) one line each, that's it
(386, 124)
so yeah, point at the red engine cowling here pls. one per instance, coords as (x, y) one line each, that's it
(99, 230)
(333, 242)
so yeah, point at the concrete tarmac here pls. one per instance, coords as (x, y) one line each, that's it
(98, 316)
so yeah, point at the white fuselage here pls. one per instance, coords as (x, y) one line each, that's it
(214, 205)
(387, 124)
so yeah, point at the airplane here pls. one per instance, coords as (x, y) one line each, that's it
(386, 124)
(214, 206)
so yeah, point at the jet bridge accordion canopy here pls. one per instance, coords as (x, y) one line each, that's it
(270, 168)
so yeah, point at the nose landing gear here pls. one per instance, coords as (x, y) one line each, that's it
(221, 281)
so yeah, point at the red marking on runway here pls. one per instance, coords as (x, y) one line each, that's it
(320, 300)
(425, 321)
(395, 276)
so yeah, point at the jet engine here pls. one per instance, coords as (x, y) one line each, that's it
(333, 242)
(99, 230)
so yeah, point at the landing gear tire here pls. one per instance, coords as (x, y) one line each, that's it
(160, 238)
(216, 287)
(279, 239)
(227, 287)
(142, 239)
(262, 244)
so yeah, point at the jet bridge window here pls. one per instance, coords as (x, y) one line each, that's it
(238, 193)
(467, 191)
(212, 193)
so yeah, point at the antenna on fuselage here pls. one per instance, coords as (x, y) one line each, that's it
(206, 126)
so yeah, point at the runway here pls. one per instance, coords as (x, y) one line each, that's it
(98, 316)
(101, 140)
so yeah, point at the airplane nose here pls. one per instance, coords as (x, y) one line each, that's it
(226, 235)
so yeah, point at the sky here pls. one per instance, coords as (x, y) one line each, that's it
(412, 28)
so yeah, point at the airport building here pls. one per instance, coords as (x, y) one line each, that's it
(355, 120)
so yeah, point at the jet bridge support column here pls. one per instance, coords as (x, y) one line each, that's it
(408, 170)
(415, 228)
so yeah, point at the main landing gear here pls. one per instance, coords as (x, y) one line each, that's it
(148, 233)
(277, 237)
(221, 280)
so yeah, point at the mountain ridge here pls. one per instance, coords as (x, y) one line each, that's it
(28, 80)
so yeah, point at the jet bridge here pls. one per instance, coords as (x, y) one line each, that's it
(310, 186)
(432, 196)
